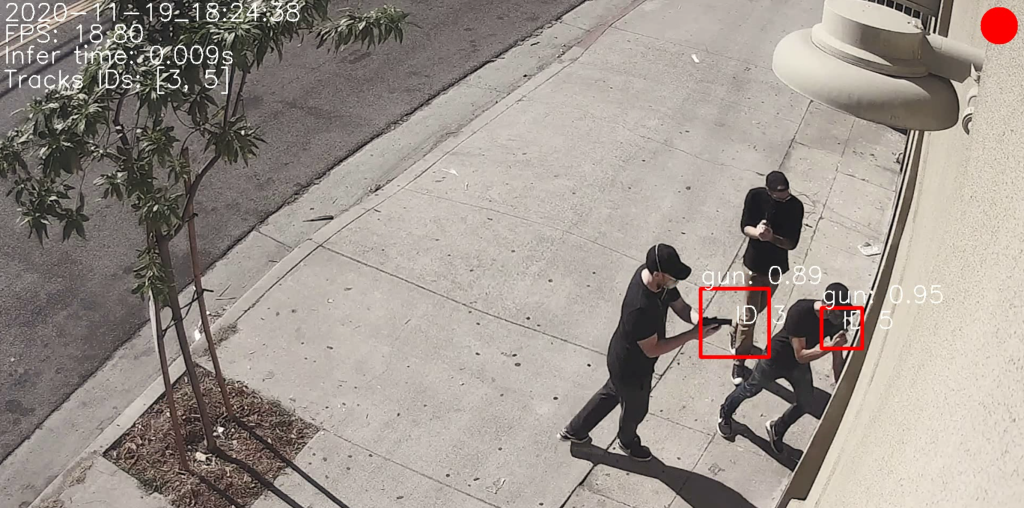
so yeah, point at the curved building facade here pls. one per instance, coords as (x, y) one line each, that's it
(932, 412)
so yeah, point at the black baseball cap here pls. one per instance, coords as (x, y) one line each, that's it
(664, 258)
(776, 181)
(837, 294)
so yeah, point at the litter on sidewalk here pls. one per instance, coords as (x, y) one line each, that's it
(869, 249)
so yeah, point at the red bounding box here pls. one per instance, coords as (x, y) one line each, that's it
(700, 309)
(821, 328)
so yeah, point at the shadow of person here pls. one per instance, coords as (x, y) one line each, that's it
(817, 409)
(697, 490)
(790, 456)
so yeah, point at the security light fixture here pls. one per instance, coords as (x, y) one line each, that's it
(879, 65)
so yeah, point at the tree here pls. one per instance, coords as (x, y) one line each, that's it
(154, 77)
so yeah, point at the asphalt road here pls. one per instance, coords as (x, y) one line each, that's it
(65, 308)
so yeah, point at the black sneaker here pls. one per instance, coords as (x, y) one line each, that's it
(564, 435)
(739, 372)
(725, 427)
(639, 452)
(773, 438)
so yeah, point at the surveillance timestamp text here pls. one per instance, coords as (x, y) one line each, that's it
(30, 29)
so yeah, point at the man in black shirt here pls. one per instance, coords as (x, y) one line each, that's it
(772, 220)
(792, 351)
(635, 346)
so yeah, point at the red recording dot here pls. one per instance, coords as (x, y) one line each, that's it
(999, 25)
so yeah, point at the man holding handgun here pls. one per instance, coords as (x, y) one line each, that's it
(793, 349)
(772, 221)
(634, 349)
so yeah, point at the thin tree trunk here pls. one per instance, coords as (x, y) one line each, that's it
(163, 246)
(197, 277)
(158, 337)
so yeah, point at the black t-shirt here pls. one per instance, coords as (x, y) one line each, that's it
(786, 220)
(643, 315)
(801, 321)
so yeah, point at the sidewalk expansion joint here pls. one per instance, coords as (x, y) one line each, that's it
(700, 458)
(275, 240)
(610, 502)
(673, 422)
(595, 34)
(869, 182)
(692, 48)
(450, 299)
(530, 221)
(467, 132)
(698, 91)
(817, 221)
(850, 220)
(646, 137)
(407, 468)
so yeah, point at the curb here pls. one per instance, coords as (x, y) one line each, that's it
(324, 234)
(115, 430)
(249, 300)
(131, 414)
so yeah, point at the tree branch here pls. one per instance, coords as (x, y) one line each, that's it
(118, 126)
(194, 188)
(227, 100)
(192, 192)
(238, 94)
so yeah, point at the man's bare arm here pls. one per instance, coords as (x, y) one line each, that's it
(804, 355)
(653, 348)
(782, 242)
(685, 311)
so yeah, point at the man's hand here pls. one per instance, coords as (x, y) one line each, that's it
(764, 231)
(709, 330)
(839, 340)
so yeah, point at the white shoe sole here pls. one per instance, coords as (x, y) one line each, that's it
(771, 435)
(626, 451)
(562, 437)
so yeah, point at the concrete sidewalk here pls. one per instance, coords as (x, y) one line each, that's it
(442, 331)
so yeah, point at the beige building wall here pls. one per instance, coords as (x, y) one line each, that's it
(937, 415)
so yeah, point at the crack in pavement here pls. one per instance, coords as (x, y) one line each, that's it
(525, 219)
(637, 134)
(453, 300)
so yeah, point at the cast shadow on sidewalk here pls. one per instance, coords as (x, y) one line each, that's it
(790, 456)
(291, 465)
(700, 492)
(821, 397)
(817, 409)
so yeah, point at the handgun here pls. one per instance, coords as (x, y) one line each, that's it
(716, 321)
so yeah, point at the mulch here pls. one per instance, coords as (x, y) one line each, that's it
(148, 453)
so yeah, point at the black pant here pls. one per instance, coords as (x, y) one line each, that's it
(633, 394)
(799, 377)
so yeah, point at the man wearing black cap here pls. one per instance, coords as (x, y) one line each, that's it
(772, 220)
(635, 346)
(792, 351)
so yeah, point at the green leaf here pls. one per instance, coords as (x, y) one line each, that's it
(65, 132)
